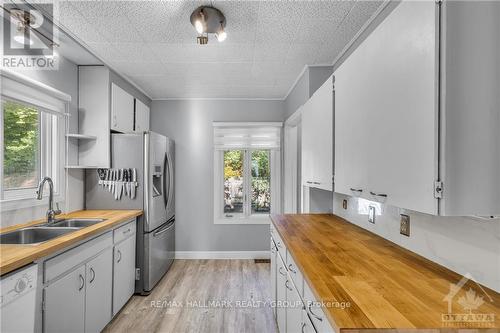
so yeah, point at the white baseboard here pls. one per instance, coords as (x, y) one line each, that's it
(222, 255)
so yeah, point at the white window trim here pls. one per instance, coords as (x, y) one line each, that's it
(45, 98)
(219, 218)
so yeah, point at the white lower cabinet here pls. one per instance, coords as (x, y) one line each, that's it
(281, 294)
(274, 272)
(315, 312)
(123, 272)
(297, 310)
(80, 301)
(306, 325)
(65, 303)
(294, 307)
(98, 292)
(86, 285)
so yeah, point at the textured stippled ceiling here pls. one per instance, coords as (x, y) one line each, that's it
(268, 44)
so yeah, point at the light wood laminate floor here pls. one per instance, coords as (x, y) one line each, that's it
(181, 300)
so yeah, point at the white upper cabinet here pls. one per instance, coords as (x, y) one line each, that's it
(141, 117)
(122, 110)
(394, 141)
(103, 106)
(317, 138)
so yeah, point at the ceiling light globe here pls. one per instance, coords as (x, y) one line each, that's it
(199, 26)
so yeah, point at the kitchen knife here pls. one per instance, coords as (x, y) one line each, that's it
(110, 175)
(120, 187)
(113, 181)
(125, 179)
(130, 184)
(134, 179)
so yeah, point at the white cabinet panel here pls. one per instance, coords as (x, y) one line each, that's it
(281, 294)
(98, 294)
(315, 312)
(123, 273)
(65, 303)
(274, 272)
(307, 325)
(122, 110)
(317, 138)
(385, 95)
(294, 308)
(141, 117)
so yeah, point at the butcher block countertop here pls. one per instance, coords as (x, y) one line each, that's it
(387, 286)
(13, 256)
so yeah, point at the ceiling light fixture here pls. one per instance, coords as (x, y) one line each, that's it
(208, 20)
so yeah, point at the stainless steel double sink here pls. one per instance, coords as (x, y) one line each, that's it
(44, 232)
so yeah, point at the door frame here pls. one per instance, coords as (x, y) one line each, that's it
(292, 163)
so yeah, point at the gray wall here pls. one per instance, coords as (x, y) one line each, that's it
(298, 95)
(189, 123)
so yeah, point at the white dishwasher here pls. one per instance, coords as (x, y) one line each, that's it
(18, 300)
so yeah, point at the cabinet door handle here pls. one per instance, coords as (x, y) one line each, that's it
(126, 231)
(92, 272)
(359, 190)
(312, 313)
(290, 268)
(316, 183)
(119, 256)
(288, 286)
(279, 270)
(308, 182)
(302, 328)
(82, 282)
(378, 194)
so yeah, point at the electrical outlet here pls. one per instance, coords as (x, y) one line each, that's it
(371, 214)
(344, 203)
(404, 228)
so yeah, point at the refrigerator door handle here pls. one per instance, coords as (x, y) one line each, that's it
(166, 189)
(170, 181)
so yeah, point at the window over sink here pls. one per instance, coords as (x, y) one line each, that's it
(246, 172)
(32, 127)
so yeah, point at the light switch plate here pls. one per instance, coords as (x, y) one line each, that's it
(371, 214)
(404, 228)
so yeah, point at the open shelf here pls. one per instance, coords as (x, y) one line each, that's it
(81, 136)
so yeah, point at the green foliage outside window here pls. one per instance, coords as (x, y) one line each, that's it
(20, 137)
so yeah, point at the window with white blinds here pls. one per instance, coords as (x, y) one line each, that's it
(247, 169)
(247, 135)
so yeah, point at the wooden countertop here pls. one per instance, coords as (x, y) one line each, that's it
(13, 256)
(387, 286)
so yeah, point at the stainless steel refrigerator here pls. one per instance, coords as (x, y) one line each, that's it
(152, 156)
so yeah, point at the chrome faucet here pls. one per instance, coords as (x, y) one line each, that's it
(51, 213)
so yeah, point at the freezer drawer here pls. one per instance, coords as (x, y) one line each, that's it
(159, 251)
